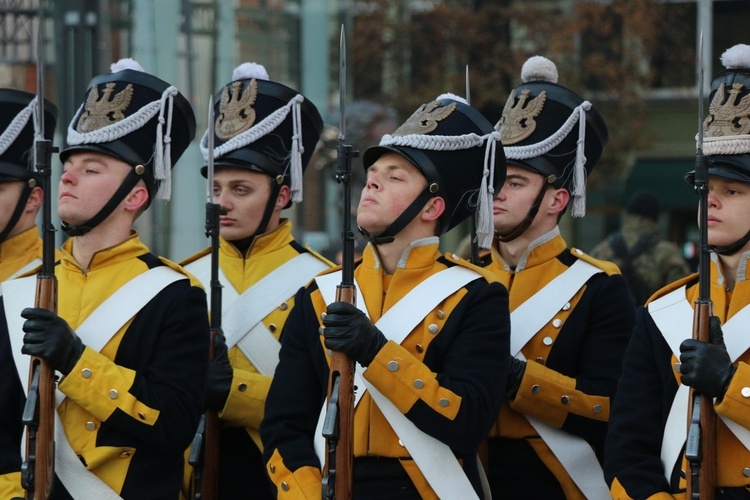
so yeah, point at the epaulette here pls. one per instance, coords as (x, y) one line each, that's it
(609, 268)
(489, 276)
(193, 258)
(687, 280)
(178, 267)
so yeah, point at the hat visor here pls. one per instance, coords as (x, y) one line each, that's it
(115, 149)
(735, 167)
(423, 164)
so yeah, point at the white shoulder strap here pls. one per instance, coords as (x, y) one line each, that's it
(28, 267)
(673, 315)
(435, 459)
(574, 453)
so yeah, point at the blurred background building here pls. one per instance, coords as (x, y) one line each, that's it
(634, 58)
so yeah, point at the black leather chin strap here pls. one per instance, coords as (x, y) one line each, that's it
(244, 244)
(18, 211)
(731, 248)
(402, 220)
(127, 185)
(526, 222)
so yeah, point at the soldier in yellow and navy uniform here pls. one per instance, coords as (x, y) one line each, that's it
(131, 334)
(645, 444)
(571, 315)
(20, 243)
(20, 192)
(439, 367)
(263, 265)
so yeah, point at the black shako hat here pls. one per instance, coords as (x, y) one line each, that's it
(551, 130)
(17, 110)
(264, 126)
(458, 151)
(726, 129)
(138, 118)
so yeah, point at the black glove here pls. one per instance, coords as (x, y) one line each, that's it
(49, 337)
(219, 376)
(348, 330)
(706, 367)
(515, 374)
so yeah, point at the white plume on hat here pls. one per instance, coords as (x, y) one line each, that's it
(126, 63)
(539, 68)
(454, 97)
(736, 57)
(249, 70)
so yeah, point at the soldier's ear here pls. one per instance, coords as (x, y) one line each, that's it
(35, 200)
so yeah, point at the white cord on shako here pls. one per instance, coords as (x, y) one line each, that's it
(15, 127)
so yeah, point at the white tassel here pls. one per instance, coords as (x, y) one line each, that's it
(297, 150)
(485, 222)
(578, 186)
(163, 159)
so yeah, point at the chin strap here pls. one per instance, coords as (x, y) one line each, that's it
(732, 248)
(20, 206)
(244, 244)
(127, 185)
(526, 222)
(402, 220)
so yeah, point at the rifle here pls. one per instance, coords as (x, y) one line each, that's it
(339, 420)
(38, 470)
(204, 454)
(700, 448)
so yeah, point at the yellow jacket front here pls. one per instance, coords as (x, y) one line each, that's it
(19, 252)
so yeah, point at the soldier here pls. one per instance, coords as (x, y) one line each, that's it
(433, 342)
(258, 172)
(647, 261)
(571, 314)
(131, 337)
(20, 194)
(646, 438)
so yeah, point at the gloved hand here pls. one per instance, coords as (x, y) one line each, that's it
(515, 375)
(348, 330)
(219, 376)
(706, 367)
(49, 337)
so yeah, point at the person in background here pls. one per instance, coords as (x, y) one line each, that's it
(571, 315)
(131, 333)
(429, 333)
(646, 260)
(645, 445)
(259, 165)
(20, 191)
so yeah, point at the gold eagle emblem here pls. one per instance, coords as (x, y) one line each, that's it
(517, 122)
(726, 116)
(105, 110)
(425, 119)
(236, 113)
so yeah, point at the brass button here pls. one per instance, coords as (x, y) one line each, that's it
(272, 468)
(242, 387)
(746, 472)
(557, 322)
(579, 251)
(400, 443)
(419, 348)
(321, 329)
(141, 415)
(90, 426)
(113, 394)
(547, 340)
(597, 409)
(283, 306)
(125, 454)
(745, 392)
(440, 314)
(323, 316)
(444, 402)
(540, 360)
(284, 486)
(455, 257)
(565, 400)
(86, 373)
(140, 169)
(535, 389)
(393, 366)
(418, 383)
(433, 328)
(566, 306)
(272, 327)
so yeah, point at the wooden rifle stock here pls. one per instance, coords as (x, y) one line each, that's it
(700, 448)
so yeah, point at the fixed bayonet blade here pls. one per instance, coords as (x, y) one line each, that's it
(40, 73)
(468, 87)
(700, 93)
(342, 85)
(210, 146)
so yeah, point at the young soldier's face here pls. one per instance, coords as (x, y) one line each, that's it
(88, 182)
(514, 201)
(392, 184)
(728, 209)
(243, 194)
(10, 193)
